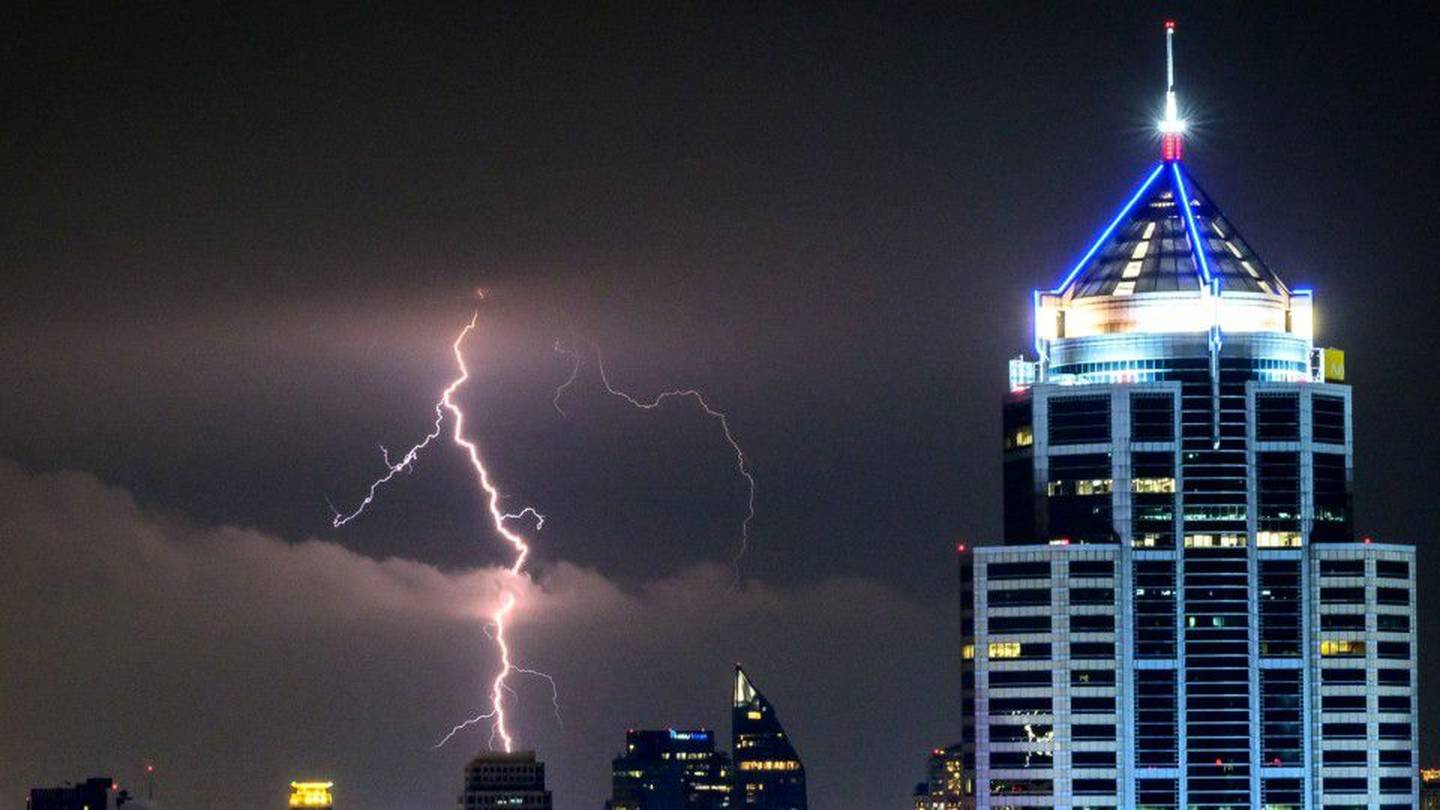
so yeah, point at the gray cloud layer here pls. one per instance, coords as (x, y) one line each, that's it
(237, 661)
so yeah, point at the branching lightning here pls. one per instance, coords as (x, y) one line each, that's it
(742, 462)
(499, 522)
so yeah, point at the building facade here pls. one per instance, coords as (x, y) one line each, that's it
(670, 769)
(1181, 616)
(508, 780)
(768, 772)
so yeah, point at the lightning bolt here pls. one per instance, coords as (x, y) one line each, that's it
(742, 462)
(499, 522)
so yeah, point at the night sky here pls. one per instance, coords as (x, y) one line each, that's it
(236, 244)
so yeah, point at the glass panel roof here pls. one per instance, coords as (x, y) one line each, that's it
(1149, 249)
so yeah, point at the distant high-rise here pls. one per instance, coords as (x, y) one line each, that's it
(505, 781)
(944, 786)
(768, 772)
(1430, 789)
(1181, 616)
(670, 769)
(95, 793)
(312, 795)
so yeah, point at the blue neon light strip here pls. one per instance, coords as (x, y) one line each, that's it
(1105, 236)
(1196, 246)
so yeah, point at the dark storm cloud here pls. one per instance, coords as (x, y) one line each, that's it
(234, 246)
(237, 661)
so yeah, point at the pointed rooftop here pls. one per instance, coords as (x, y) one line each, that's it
(1170, 237)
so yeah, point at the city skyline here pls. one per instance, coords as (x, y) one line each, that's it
(243, 242)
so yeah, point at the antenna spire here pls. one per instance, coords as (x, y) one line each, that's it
(1172, 128)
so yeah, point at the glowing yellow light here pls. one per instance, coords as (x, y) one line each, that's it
(1004, 649)
(967, 652)
(1342, 648)
(754, 715)
(1152, 485)
(770, 765)
(1268, 539)
(311, 794)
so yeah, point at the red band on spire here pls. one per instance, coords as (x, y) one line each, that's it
(1172, 146)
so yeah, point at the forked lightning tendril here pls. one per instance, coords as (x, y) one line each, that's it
(499, 523)
(742, 462)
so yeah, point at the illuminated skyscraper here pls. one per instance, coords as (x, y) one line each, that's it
(670, 769)
(512, 781)
(1180, 616)
(944, 786)
(768, 772)
(1430, 789)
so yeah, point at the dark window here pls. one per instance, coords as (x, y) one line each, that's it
(1392, 649)
(1342, 621)
(1392, 596)
(1392, 569)
(1092, 705)
(1395, 731)
(1329, 416)
(1092, 568)
(1342, 758)
(1020, 485)
(1093, 759)
(1392, 623)
(1093, 649)
(1279, 793)
(1092, 596)
(1278, 491)
(1093, 623)
(1154, 608)
(1281, 736)
(1395, 784)
(1280, 623)
(1033, 677)
(1079, 420)
(1332, 499)
(1093, 787)
(1017, 570)
(1277, 417)
(1092, 731)
(1342, 596)
(1020, 596)
(1157, 793)
(1394, 703)
(1344, 784)
(1337, 675)
(1020, 705)
(1394, 677)
(1342, 703)
(1399, 758)
(1152, 418)
(1342, 568)
(1343, 731)
(1020, 624)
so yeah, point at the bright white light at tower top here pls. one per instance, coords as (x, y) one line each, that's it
(1172, 126)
